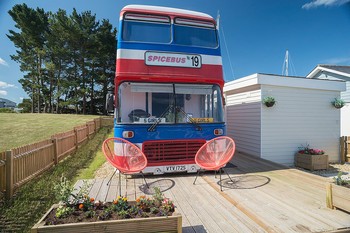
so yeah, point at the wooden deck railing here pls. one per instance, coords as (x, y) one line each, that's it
(345, 149)
(22, 164)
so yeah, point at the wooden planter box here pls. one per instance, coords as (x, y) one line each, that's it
(338, 197)
(311, 162)
(153, 224)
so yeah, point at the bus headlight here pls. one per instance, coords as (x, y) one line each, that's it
(128, 134)
(218, 132)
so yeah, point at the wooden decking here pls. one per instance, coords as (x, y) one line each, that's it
(264, 197)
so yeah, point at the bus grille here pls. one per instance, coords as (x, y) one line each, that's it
(171, 151)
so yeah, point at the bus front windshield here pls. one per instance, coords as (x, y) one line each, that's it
(146, 103)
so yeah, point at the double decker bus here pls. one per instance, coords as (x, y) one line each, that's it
(168, 85)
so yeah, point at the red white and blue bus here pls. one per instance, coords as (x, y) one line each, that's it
(168, 85)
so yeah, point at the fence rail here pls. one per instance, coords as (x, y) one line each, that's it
(345, 149)
(22, 164)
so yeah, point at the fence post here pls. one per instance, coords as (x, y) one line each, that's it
(342, 149)
(9, 174)
(76, 138)
(346, 154)
(95, 125)
(329, 199)
(55, 150)
(87, 131)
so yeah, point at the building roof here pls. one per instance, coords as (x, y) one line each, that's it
(337, 69)
(285, 81)
(7, 103)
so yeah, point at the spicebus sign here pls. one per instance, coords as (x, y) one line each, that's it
(173, 59)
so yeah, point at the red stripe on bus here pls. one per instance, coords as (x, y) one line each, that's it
(131, 67)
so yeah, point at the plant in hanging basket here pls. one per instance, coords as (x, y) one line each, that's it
(269, 101)
(338, 103)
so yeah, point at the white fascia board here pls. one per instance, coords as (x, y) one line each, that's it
(320, 84)
(166, 9)
(241, 82)
(320, 69)
(313, 72)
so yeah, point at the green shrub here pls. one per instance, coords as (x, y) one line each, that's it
(6, 110)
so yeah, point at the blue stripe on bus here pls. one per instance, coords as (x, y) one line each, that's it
(168, 131)
(168, 48)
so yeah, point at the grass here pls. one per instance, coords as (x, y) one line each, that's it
(34, 198)
(18, 129)
(88, 172)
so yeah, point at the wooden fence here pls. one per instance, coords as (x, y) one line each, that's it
(345, 149)
(22, 164)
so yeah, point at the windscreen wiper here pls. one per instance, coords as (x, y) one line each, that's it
(152, 128)
(198, 127)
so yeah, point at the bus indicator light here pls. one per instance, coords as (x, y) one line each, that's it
(128, 134)
(218, 132)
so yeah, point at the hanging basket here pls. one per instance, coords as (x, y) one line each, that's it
(269, 104)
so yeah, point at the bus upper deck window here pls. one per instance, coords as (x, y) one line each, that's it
(195, 33)
(146, 28)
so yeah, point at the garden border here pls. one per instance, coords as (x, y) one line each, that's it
(19, 165)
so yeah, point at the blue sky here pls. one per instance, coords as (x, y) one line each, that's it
(257, 33)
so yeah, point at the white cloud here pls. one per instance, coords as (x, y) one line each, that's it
(3, 62)
(2, 92)
(6, 85)
(337, 61)
(21, 98)
(317, 3)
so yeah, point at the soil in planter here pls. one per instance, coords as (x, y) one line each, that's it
(100, 214)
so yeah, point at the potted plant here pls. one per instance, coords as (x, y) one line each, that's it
(269, 101)
(338, 103)
(80, 213)
(338, 193)
(311, 159)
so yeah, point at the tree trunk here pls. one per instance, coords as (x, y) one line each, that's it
(92, 90)
(33, 93)
(58, 87)
(84, 84)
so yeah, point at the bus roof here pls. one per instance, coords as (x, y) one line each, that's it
(167, 10)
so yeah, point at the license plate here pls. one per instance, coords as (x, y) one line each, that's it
(175, 168)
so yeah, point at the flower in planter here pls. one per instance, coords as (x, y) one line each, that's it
(338, 103)
(340, 181)
(81, 208)
(269, 101)
(307, 150)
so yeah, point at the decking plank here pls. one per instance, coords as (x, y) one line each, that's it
(95, 189)
(292, 200)
(113, 190)
(187, 208)
(103, 192)
(228, 217)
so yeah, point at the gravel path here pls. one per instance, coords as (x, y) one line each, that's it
(333, 171)
(106, 170)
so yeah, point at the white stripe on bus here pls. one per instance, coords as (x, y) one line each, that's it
(140, 55)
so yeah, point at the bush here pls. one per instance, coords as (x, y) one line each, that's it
(6, 110)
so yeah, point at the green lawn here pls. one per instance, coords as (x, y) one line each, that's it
(96, 163)
(34, 198)
(21, 129)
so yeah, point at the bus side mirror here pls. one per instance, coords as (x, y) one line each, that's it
(109, 103)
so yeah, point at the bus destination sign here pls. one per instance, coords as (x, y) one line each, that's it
(173, 59)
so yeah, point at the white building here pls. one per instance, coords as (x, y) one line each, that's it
(333, 72)
(303, 114)
(5, 103)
